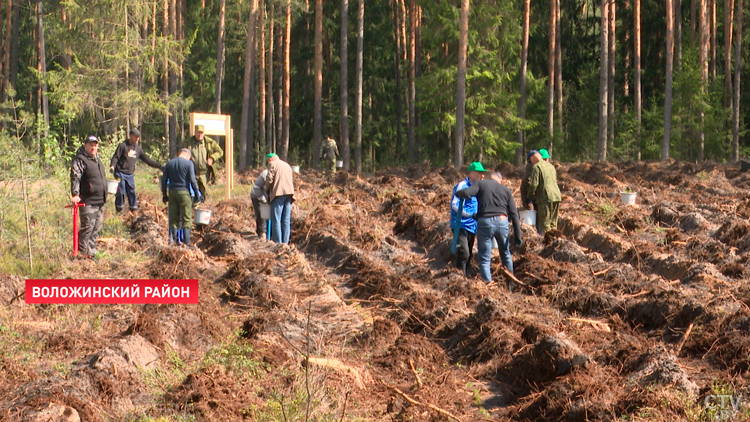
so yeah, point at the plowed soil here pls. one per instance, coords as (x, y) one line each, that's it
(627, 312)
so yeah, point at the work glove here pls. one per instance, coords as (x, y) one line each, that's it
(161, 169)
(197, 199)
(112, 169)
(164, 198)
(519, 242)
(474, 216)
(263, 200)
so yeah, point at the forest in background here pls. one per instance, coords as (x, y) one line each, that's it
(394, 81)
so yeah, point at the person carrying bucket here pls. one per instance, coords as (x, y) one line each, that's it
(179, 176)
(88, 186)
(122, 166)
(467, 224)
(280, 188)
(259, 196)
(544, 191)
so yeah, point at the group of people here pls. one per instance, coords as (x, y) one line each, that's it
(274, 186)
(183, 184)
(487, 209)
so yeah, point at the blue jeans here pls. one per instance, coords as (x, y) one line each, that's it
(281, 215)
(487, 228)
(126, 187)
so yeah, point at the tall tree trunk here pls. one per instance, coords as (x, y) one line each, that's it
(611, 77)
(668, 88)
(4, 47)
(220, 62)
(285, 124)
(551, 77)
(344, 123)
(262, 145)
(677, 33)
(637, 75)
(603, 81)
(14, 47)
(712, 70)
(463, 42)
(626, 64)
(703, 26)
(558, 72)
(8, 48)
(153, 40)
(270, 131)
(280, 85)
(173, 76)
(42, 67)
(246, 125)
(318, 85)
(521, 151)
(693, 18)
(728, 22)
(412, 139)
(398, 93)
(737, 71)
(358, 99)
(172, 144)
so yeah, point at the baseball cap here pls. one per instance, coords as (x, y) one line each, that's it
(200, 128)
(271, 155)
(532, 152)
(476, 166)
(543, 152)
(135, 132)
(91, 138)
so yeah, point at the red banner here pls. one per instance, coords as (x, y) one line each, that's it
(111, 291)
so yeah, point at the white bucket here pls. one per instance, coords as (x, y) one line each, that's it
(628, 198)
(527, 217)
(295, 169)
(339, 164)
(265, 211)
(112, 186)
(202, 216)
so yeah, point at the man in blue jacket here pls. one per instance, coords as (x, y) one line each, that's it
(468, 223)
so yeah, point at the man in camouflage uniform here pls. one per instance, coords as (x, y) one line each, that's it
(329, 151)
(204, 153)
(529, 204)
(544, 190)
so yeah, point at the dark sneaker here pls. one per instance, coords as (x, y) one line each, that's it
(134, 208)
(118, 209)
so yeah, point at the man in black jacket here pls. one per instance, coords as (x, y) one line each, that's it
(122, 166)
(496, 206)
(88, 185)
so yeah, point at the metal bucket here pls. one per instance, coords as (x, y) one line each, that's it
(202, 216)
(339, 164)
(628, 198)
(112, 186)
(527, 217)
(295, 169)
(265, 211)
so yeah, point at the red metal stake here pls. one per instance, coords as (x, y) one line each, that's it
(75, 226)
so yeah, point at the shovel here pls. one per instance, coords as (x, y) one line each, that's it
(75, 226)
(457, 227)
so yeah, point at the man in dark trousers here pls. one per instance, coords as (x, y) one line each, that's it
(496, 206)
(179, 175)
(122, 166)
(88, 185)
(468, 227)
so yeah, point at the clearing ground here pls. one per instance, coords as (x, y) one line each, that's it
(626, 313)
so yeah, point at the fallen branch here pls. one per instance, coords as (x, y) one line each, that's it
(417, 403)
(602, 272)
(682, 341)
(635, 295)
(598, 325)
(512, 277)
(416, 374)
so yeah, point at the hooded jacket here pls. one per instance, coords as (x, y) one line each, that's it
(88, 178)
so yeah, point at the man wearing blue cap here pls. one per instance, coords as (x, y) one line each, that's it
(468, 227)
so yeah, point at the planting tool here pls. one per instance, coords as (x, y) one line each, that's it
(457, 227)
(75, 226)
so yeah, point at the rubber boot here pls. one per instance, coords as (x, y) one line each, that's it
(171, 236)
(186, 237)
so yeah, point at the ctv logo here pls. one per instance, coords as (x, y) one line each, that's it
(724, 407)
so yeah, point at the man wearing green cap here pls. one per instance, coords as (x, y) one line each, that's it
(204, 153)
(545, 154)
(280, 188)
(468, 225)
(544, 190)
